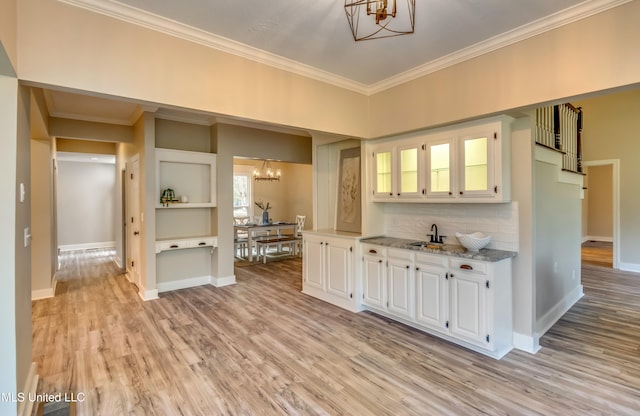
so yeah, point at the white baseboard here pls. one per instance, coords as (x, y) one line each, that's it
(526, 343)
(25, 407)
(147, 294)
(45, 293)
(87, 246)
(629, 267)
(597, 238)
(554, 314)
(223, 281)
(183, 283)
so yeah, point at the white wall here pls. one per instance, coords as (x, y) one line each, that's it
(86, 204)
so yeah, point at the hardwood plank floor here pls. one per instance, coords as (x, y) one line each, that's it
(262, 348)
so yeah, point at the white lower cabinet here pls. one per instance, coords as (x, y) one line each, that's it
(328, 269)
(464, 301)
(432, 292)
(400, 280)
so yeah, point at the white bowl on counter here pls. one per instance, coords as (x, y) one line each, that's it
(474, 241)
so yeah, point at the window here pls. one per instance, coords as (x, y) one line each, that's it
(242, 191)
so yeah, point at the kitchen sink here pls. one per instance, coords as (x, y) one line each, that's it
(426, 244)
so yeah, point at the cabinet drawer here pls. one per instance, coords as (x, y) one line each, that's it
(400, 254)
(472, 266)
(434, 259)
(373, 250)
(204, 242)
(171, 245)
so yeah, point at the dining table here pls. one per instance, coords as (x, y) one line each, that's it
(255, 231)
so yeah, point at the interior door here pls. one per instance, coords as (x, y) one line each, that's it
(133, 220)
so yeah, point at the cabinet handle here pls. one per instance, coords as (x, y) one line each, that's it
(407, 266)
(450, 193)
(466, 266)
(326, 244)
(202, 244)
(173, 246)
(380, 261)
(398, 193)
(451, 275)
(372, 251)
(321, 243)
(417, 268)
(461, 193)
(390, 193)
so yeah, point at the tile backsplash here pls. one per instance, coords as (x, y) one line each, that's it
(413, 221)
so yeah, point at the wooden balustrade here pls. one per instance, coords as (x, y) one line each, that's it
(560, 127)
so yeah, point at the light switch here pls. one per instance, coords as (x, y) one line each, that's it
(22, 192)
(27, 236)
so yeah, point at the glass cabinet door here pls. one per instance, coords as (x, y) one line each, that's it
(477, 168)
(383, 173)
(408, 167)
(440, 168)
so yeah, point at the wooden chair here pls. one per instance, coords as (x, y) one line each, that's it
(240, 239)
(300, 220)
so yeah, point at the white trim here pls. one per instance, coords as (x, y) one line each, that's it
(597, 238)
(183, 283)
(629, 267)
(554, 314)
(45, 293)
(615, 168)
(527, 343)
(223, 281)
(152, 21)
(146, 295)
(88, 246)
(25, 407)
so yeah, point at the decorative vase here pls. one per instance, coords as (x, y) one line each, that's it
(265, 217)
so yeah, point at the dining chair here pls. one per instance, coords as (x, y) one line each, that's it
(240, 238)
(300, 220)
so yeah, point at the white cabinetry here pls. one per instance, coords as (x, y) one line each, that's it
(400, 280)
(432, 291)
(467, 163)
(328, 269)
(462, 300)
(397, 170)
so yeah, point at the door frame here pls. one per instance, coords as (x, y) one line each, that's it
(615, 168)
(134, 275)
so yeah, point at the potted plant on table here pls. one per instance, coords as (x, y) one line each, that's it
(265, 211)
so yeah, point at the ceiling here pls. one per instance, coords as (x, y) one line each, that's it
(312, 37)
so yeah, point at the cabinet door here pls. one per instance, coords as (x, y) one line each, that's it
(469, 307)
(338, 255)
(432, 286)
(373, 279)
(440, 162)
(409, 171)
(383, 167)
(477, 165)
(399, 277)
(313, 262)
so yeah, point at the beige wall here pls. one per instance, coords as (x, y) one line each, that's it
(42, 222)
(600, 202)
(8, 42)
(145, 65)
(290, 196)
(89, 130)
(85, 146)
(610, 131)
(593, 54)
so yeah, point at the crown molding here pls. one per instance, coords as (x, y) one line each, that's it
(117, 10)
(564, 17)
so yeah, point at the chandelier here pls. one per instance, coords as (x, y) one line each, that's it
(375, 19)
(266, 173)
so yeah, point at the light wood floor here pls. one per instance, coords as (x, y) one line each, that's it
(262, 348)
(598, 254)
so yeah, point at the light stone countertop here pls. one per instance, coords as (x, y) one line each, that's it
(485, 254)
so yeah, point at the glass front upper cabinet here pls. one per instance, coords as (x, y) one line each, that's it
(440, 168)
(409, 181)
(477, 166)
(383, 173)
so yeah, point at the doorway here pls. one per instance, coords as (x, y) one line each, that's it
(600, 213)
